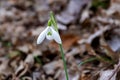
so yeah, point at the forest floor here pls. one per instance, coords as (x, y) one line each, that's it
(89, 29)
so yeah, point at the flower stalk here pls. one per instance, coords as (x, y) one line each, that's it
(64, 62)
(53, 20)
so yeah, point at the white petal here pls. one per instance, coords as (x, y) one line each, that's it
(56, 36)
(42, 35)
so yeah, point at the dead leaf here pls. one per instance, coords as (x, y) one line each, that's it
(68, 41)
(21, 70)
(52, 66)
(30, 60)
(4, 66)
(93, 36)
(84, 15)
(105, 75)
(85, 76)
(70, 14)
(115, 7)
(114, 43)
(108, 51)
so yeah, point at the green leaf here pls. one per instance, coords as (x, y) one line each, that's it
(37, 59)
(53, 20)
(88, 60)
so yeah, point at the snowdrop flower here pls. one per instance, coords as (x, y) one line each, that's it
(50, 34)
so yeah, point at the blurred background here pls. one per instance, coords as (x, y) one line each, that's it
(89, 29)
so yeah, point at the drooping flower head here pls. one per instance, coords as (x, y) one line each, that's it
(50, 34)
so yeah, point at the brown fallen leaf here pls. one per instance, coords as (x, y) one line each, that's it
(21, 70)
(50, 68)
(68, 41)
(85, 75)
(114, 41)
(4, 66)
(57, 5)
(104, 75)
(108, 51)
(110, 74)
(115, 7)
(96, 34)
(91, 51)
(72, 11)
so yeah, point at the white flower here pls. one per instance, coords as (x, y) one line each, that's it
(50, 34)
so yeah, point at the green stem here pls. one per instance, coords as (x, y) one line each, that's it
(64, 62)
(54, 23)
(53, 20)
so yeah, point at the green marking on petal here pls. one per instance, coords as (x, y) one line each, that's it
(49, 33)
